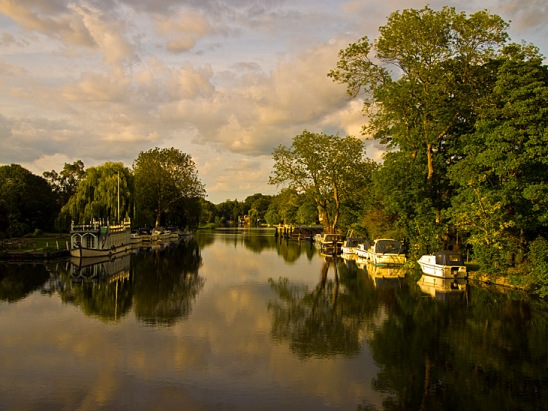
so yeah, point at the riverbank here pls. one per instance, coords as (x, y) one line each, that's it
(35, 248)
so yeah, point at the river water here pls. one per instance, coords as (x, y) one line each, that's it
(239, 320)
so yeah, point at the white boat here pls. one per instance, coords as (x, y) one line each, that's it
(331, 242)
(386, 252)
(443, 264)
(361, 250)
(350, 245)
(99, 239)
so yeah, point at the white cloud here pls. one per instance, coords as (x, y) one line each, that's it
(223, 81)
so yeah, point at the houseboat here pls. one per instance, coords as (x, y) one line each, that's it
(99, 239)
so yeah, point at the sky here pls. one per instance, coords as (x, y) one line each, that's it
(225, 81)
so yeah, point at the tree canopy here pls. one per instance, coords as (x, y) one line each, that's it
(166, 187)
(27, 202)
(104, 192)
(326, 168)
(436, 56)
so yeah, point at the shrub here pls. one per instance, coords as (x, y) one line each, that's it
(538, 260)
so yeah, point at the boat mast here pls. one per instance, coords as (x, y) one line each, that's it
(118, 208)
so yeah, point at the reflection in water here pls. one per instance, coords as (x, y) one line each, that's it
(159, 282)
(444, 289)
(17, 280)
(268, 324)
(166, 282)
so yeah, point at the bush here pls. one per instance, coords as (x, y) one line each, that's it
(538, 260)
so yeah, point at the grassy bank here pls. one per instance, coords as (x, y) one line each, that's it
(43, 242)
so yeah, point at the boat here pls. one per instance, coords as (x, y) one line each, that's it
(443, 264)
(99, 239)
(386, 252)
(361, 249)
(159, 234)
(350, 245)
(331, 243)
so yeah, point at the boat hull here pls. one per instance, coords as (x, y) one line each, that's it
(386, 260)
(83, 252)
(431, 268)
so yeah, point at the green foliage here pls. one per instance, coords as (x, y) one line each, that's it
(502, 184)
(27, 202)
(325, 168)
(467, 113)
(538, 258)
(64, 183)
(165, 181)
(104, 192)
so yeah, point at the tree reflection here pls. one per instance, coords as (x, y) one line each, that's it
(19, 280)
(166, 283)
(314, 321)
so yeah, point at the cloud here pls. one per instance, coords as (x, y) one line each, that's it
(51, 18)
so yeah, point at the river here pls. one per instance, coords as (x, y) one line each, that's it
(240, 320)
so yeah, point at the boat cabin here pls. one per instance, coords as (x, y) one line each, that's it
(387, 247)
(449, 258)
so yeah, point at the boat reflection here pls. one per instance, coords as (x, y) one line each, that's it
(444, 289)
(100, 268)
(385, 276)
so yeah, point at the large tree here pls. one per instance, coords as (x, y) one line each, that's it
(422, 81)
(26, 203)
(166, 186)
(64, 183)
(420, 77)
(104, 192)
(502, 199)
(325, 168)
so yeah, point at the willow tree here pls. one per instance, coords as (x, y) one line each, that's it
(104, 192)
(167, 187)
(326, 168)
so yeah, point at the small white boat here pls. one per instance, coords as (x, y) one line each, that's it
(443, 264)
(386, 252)
(361, 250)
(331, 242)
(350, 245)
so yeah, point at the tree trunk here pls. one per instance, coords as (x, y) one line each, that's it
(430, 161)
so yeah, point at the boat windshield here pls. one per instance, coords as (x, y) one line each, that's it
(448, 258)
(388, 246)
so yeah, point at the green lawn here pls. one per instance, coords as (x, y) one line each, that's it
(43, 242)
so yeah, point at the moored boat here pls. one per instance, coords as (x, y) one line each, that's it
(331, 243)
(386, 252)
(350, 245)
(99, 239)
(443, 264)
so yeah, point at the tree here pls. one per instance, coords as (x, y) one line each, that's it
(166, 180)
(104, 192)
(64, 183)
(437, 55)
(323, 167)
(27, 202)
(502, 198)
